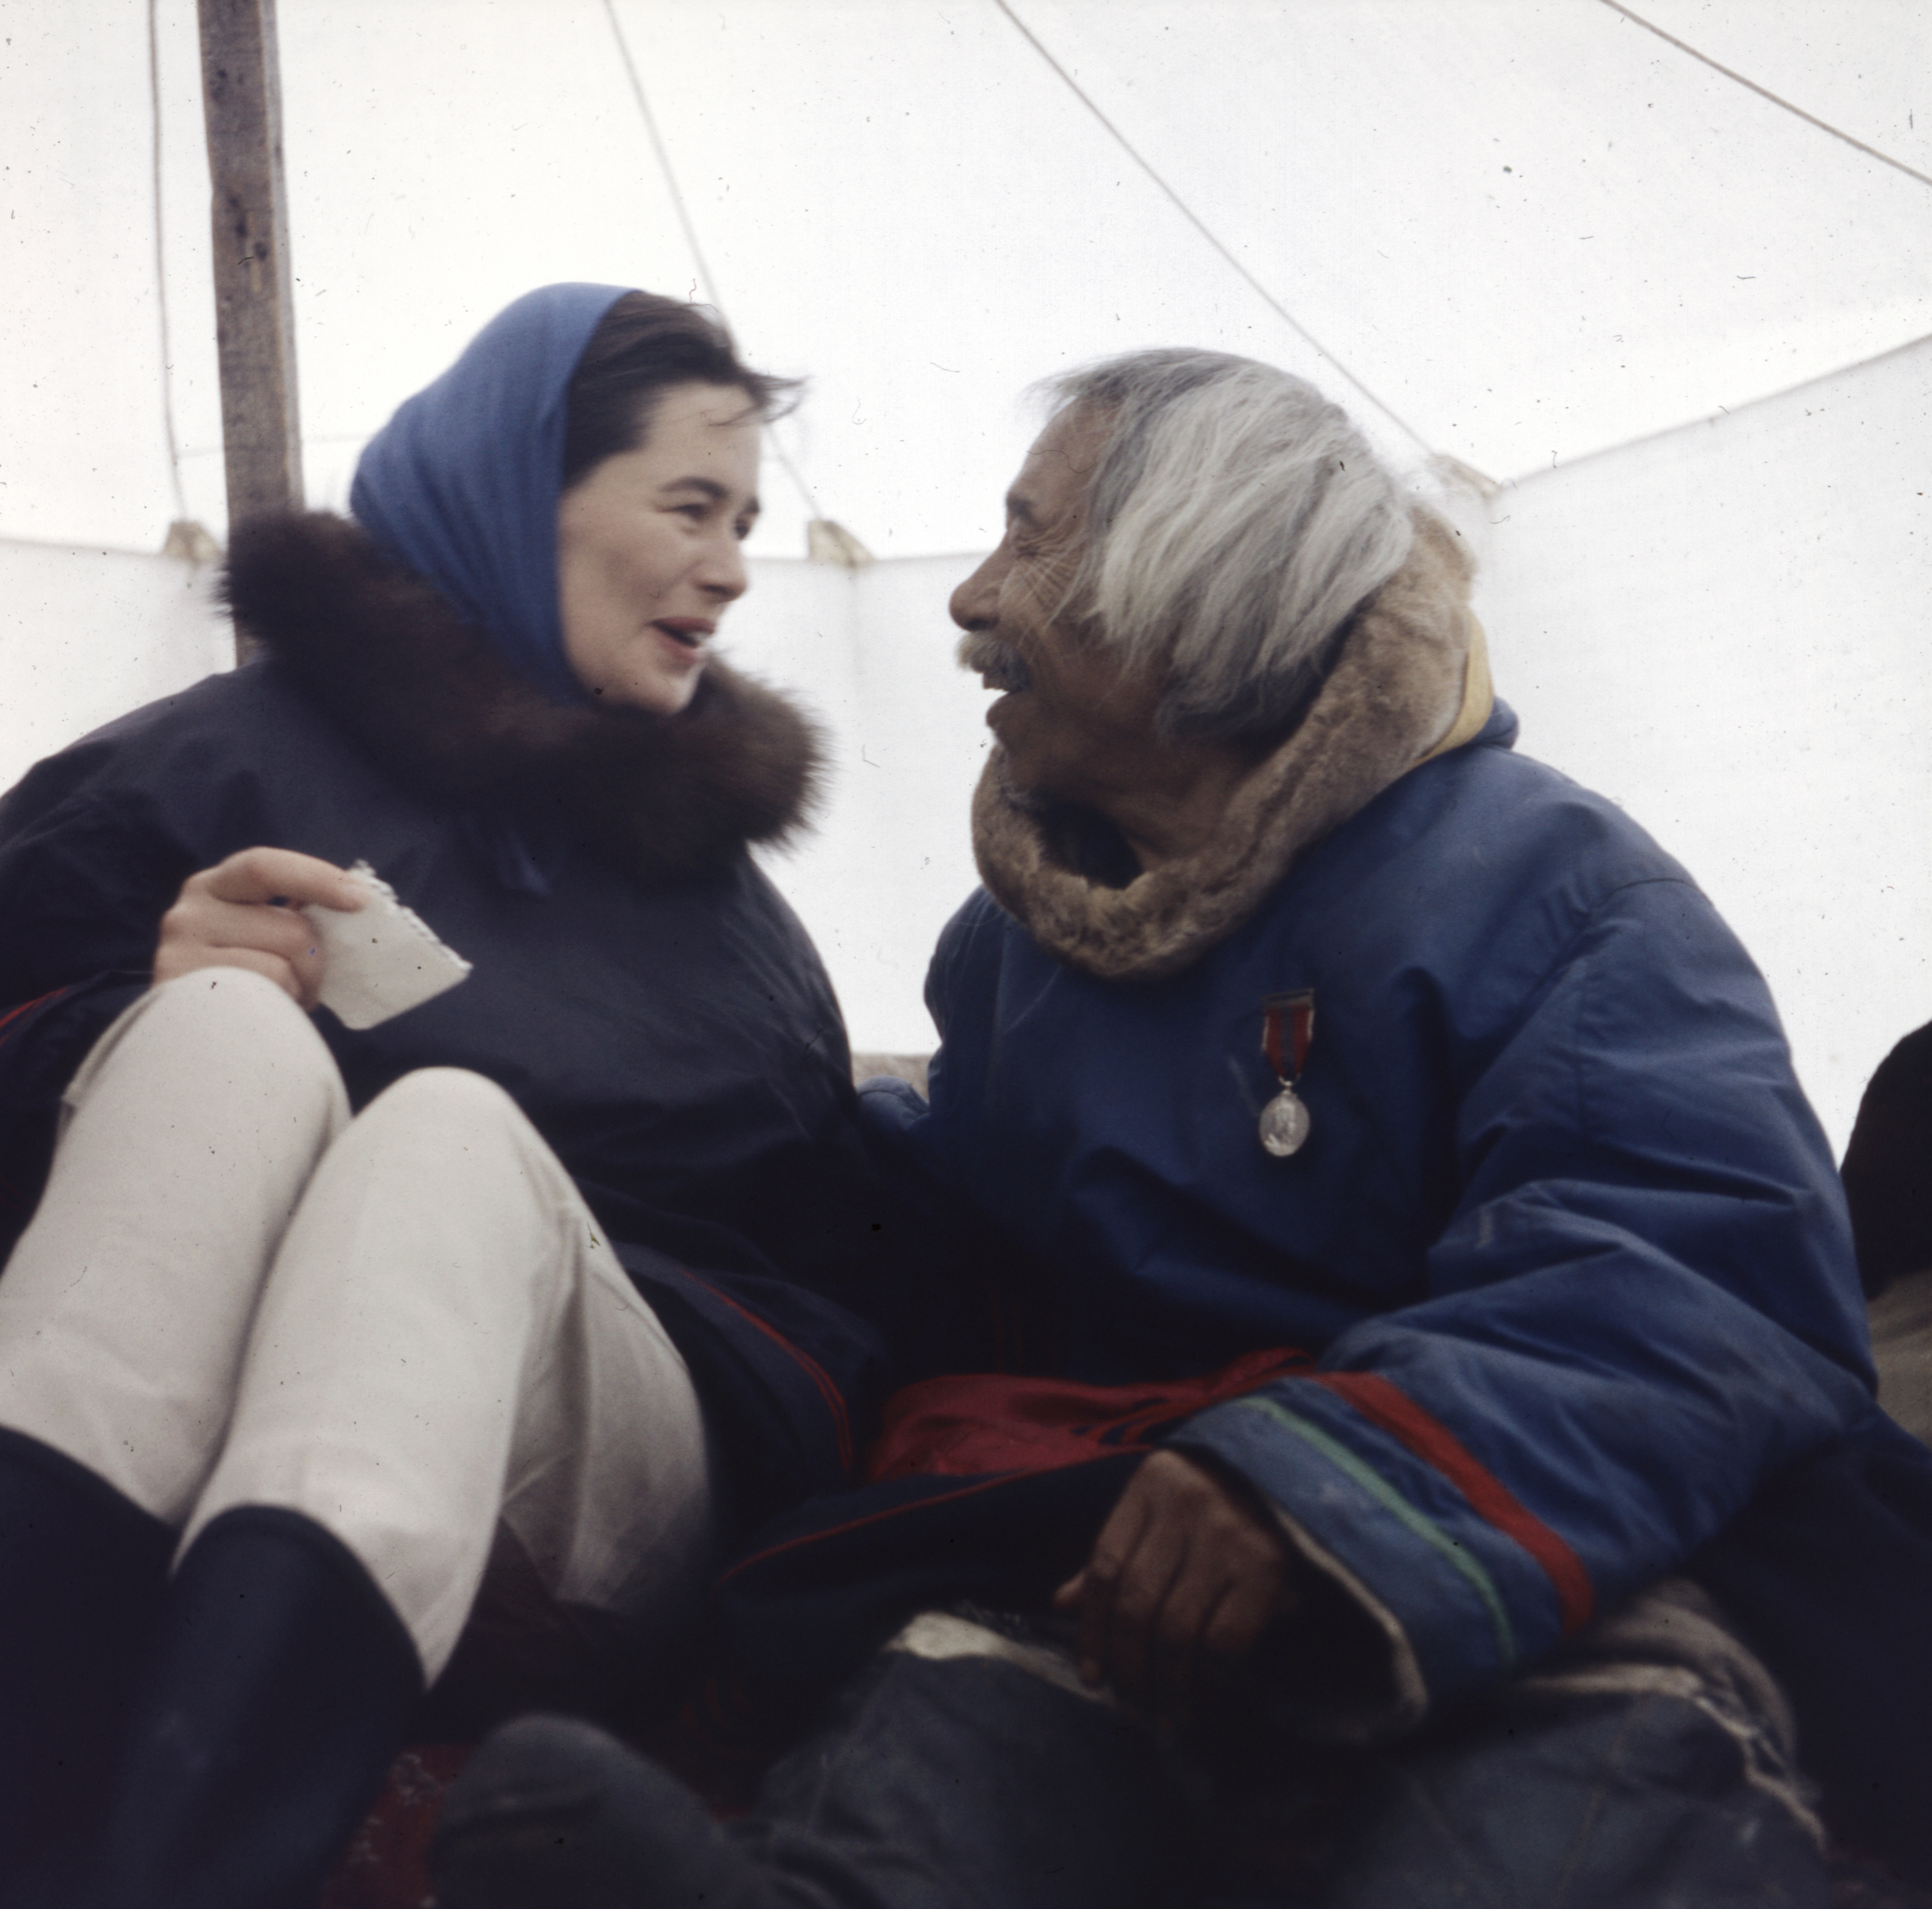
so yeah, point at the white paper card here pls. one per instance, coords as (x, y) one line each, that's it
(382, 959)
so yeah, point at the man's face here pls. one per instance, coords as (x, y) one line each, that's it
(1072, 721)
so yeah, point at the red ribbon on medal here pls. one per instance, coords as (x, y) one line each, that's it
(1287, 1026)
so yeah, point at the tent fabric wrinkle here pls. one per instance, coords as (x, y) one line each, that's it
(1528, 228)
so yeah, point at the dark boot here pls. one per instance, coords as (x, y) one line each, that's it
(82, 1571)
(964, 1782)
(279, 1686)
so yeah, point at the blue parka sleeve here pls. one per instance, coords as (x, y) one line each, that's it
(1641, 1306)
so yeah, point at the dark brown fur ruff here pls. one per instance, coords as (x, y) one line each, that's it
(394, 664)
(1392, 695)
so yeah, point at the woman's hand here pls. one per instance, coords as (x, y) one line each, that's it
(1185, 1576)
(244, 913)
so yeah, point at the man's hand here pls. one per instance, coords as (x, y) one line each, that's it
(243, 913)
(1185, 1576)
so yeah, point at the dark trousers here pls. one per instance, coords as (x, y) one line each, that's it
(978, 1783)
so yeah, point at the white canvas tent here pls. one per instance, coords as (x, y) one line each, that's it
(1535, 235)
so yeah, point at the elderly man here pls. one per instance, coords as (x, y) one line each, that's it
(1444, 1384)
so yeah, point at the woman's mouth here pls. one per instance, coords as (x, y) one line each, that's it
(687, 631)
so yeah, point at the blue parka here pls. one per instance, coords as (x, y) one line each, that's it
(1565, 1240)
(1557, 1299)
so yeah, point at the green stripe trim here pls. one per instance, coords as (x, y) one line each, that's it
(1398, 1507)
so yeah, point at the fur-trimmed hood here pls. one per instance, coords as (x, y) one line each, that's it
(393, 663)
(1411, 680)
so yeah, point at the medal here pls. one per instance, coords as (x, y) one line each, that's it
(1284, 1123)
(1287, 1025)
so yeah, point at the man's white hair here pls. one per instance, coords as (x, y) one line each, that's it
(1236, 521)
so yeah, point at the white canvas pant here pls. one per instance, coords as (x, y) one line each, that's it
(406, 1326)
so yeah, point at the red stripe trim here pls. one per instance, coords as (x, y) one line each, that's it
(1406, 1421)
(835, 1400)
(27, 1007)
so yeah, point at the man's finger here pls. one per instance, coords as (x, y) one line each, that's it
(1099, 1580)
(1146, 1580)
(1176, 1635)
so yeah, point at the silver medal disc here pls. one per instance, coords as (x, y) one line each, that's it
(1284, 1124)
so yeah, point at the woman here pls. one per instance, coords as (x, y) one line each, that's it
(549, 1275)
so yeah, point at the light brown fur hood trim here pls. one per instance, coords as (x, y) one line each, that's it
(1393, 693)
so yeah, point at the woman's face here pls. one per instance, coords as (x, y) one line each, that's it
(647, 548)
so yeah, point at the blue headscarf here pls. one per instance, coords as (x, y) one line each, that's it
(462, 484)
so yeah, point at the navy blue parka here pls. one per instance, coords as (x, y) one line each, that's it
(1561, 1284)
(641, 989)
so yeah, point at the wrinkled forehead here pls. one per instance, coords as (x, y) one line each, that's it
(1054, 481)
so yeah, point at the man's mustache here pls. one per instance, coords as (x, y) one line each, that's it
(1000, 664)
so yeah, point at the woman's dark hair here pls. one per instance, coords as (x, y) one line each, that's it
(643, 345)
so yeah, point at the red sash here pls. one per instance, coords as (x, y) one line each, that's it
(973, 1423)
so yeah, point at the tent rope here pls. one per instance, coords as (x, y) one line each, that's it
(1766, 93)
(1187, 212)
(704, 273)
(160, 269)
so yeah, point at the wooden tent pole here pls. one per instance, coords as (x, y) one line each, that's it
(242, 99)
